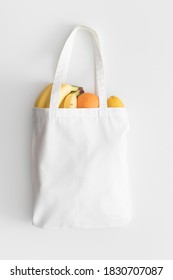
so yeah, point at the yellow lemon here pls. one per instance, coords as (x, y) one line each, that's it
(114, 101)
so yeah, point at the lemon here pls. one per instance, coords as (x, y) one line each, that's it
(114, 101)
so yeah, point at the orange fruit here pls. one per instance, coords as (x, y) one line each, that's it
(88, 100)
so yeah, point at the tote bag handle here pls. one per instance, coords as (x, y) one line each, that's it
(63, 64)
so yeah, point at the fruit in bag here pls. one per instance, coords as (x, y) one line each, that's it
(114, 101)
(88, 100)
(43, 100)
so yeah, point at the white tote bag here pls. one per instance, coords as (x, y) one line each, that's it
(79, 166)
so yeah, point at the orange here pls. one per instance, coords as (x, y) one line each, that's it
(88, 100)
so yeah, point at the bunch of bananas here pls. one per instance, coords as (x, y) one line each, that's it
(67, 97)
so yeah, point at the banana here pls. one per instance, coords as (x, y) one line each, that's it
(76, 93)
(70, 101)
(62, 103)
(65, 90)
(43, 100)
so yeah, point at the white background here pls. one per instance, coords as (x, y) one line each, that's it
(137, 48)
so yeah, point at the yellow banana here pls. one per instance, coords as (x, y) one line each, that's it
(76, 93)
(62, 103)
(70, 101)
(43, 100)
(65, 90)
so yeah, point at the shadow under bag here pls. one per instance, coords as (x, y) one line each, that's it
(79, 165)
